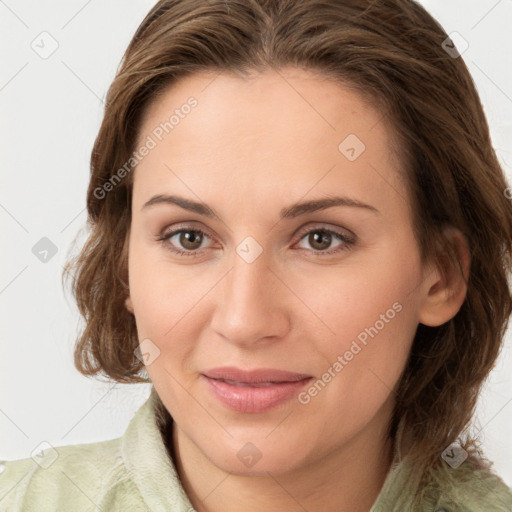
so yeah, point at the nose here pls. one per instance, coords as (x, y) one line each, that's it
(253, 304)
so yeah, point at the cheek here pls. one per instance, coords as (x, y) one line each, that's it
(353, 302)
(164, 293)
(372, 316)
(169, 302)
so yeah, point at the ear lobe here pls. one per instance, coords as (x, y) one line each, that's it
(445, 287)
(129, 305)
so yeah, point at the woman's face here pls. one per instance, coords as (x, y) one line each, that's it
(276, 338)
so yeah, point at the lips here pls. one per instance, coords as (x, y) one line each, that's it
(253, 391)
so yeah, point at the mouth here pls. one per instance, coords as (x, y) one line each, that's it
(253, 391)
(253, 384)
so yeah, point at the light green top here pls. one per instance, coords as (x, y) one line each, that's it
(135, 474)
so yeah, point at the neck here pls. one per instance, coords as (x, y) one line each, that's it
(349, 479)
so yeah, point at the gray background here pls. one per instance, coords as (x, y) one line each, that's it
(51, 110)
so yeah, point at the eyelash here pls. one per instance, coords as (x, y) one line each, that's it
(164, 238)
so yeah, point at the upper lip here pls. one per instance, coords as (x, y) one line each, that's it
(258, 375)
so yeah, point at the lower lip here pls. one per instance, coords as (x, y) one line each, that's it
(253, 399)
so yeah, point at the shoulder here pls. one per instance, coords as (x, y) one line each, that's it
(75, 476)
(471, 487)
(133, 472)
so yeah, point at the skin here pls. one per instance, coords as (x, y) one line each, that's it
(251, 147)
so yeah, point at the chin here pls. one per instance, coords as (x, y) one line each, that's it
(244, 458)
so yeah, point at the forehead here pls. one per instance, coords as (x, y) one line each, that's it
(293, 128)
(268, 101)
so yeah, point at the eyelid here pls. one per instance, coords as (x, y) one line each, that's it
(302, 231)
(167, 233)
(346, 236)
(187, 226)
(343, 232)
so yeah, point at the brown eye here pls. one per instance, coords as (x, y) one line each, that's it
(184, 241)
(190, 240)
(321, 239)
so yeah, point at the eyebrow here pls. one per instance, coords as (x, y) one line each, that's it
(290, 212)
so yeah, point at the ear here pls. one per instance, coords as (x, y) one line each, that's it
(126, 247)
(444, 289)
(129, 305)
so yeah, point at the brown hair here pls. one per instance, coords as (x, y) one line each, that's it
(389, 50)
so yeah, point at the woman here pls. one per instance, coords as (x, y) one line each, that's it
(300, 231)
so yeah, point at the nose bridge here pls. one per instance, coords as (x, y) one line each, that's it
(250, 306)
